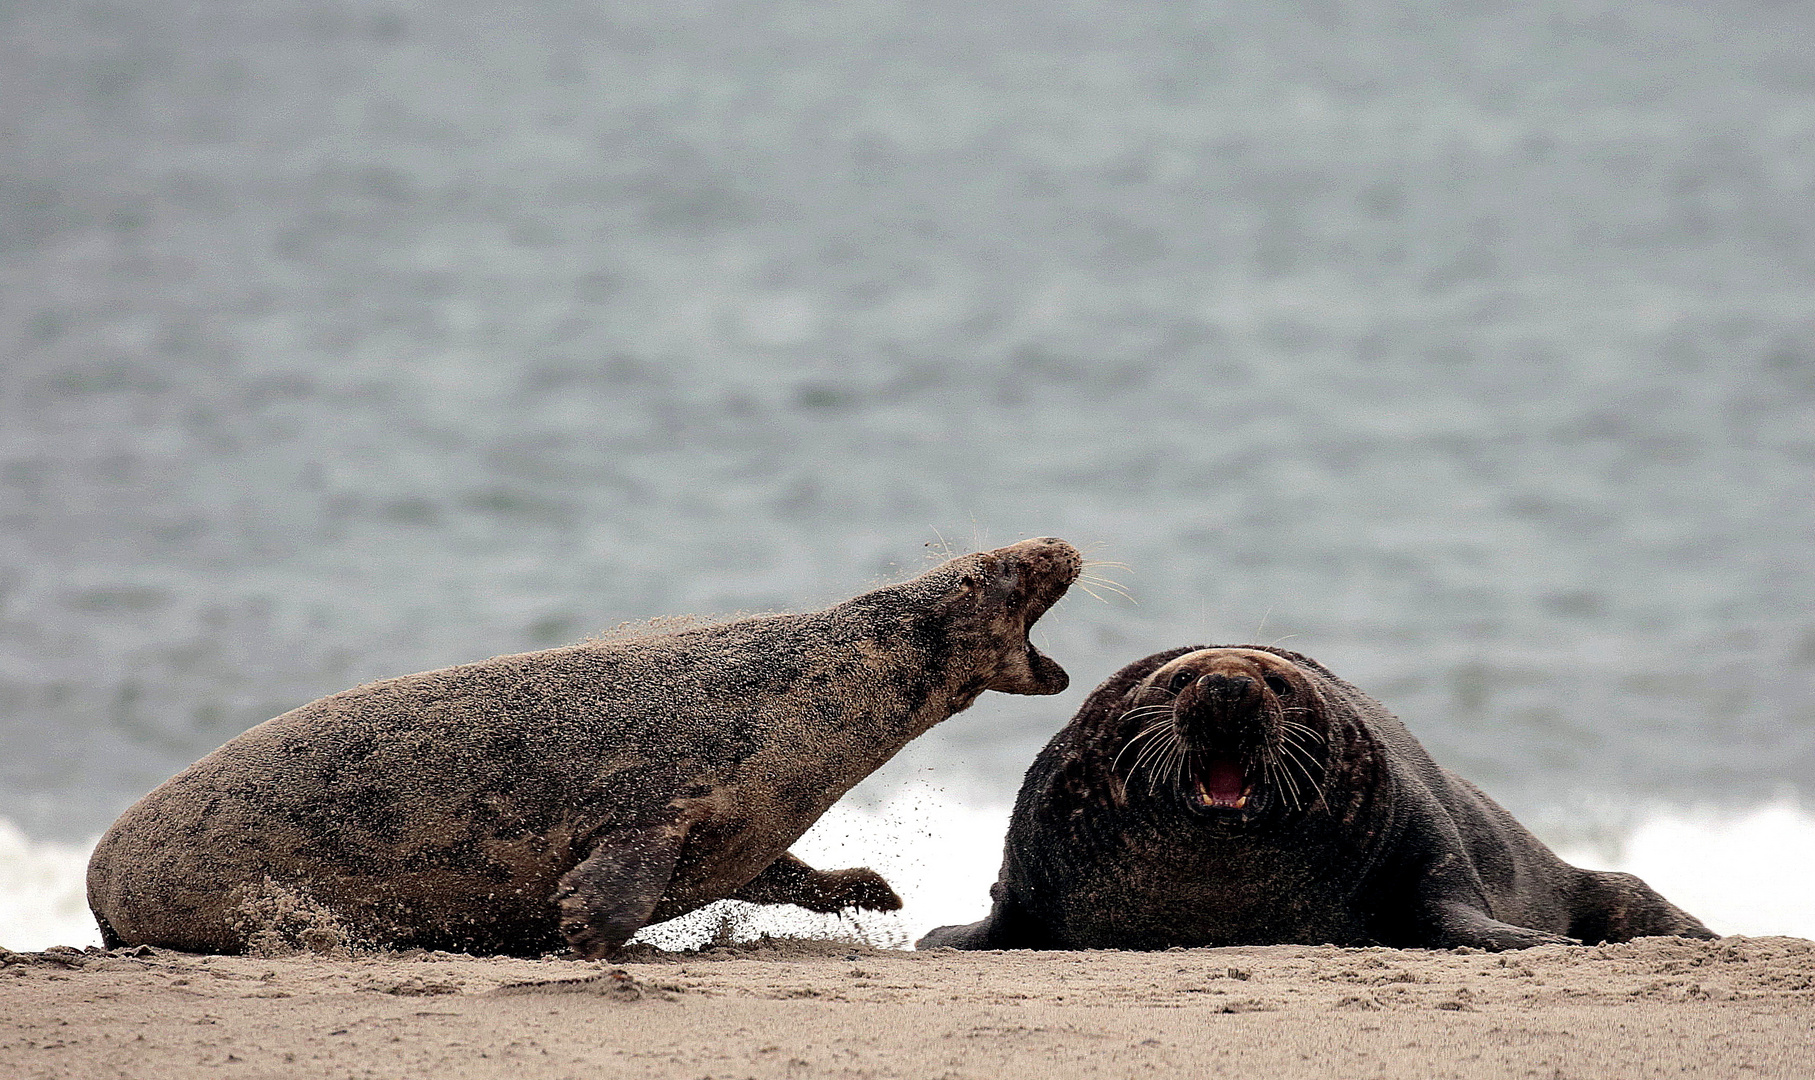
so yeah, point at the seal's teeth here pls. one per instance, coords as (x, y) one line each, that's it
(1208, 799)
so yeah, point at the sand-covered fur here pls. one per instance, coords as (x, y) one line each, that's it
(572, 795)
(1245, 795)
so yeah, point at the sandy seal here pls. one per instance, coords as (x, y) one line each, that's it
(573, 795)
(1246, 796)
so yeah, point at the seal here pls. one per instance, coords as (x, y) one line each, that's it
(572, 795)
(1244, 795)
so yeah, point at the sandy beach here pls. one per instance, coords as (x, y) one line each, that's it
(1738, 1007)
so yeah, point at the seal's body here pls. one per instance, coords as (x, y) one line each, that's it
(577, 793)
(1246, 796)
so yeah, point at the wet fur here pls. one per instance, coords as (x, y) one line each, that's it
(1379, 845)
(573, 795)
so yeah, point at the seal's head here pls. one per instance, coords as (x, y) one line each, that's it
(1233, 734)
(974, 612)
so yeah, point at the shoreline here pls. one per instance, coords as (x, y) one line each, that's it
(793, 1008)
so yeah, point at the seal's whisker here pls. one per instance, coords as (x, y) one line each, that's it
(1298, 798)
(1155, 725)
(945, 549)
(1181, 768)
(1144, 734)
(1281, 769)
(1154, 750)
(1107, 584)
(1142, 758)
(1284, 785)
(1152, 722)
(1148, 733)
(1089, 569)
(1299, 740)
(1155, 775)
(1158, 768)
(1289, 741)
(1161, 751)
(1281, 778)
(1164, 721)
(1296, 755)
(1306, 763)
(1303, 729)
(1296, 732)
(1152, 781)
(1140, 710)
(1303, 762)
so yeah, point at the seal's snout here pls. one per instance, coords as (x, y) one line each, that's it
(1044, 567)
(1219, 708)
(1228, 691)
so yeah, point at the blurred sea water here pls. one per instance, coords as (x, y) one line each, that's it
(1466, 348)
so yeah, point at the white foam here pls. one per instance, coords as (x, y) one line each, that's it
(43, 892)
(939, 854)
(1750, 872)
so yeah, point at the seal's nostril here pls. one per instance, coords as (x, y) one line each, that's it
(1226, 687)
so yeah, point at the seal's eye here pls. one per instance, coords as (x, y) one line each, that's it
(1180, 680)
(1279, 686)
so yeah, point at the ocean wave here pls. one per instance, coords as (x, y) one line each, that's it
(43, 892)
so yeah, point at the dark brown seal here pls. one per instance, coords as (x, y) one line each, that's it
(573, 795)
(1246, 796)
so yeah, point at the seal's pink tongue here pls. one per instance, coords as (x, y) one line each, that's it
(1224, 784)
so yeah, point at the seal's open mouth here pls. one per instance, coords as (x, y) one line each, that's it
(1040, 571)
(1222, 786)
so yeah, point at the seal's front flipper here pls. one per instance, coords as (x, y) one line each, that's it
(1611, 906)
(613, 891)
(787, 880)
(1006, 927)
(972, 936)
(1456, 925)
